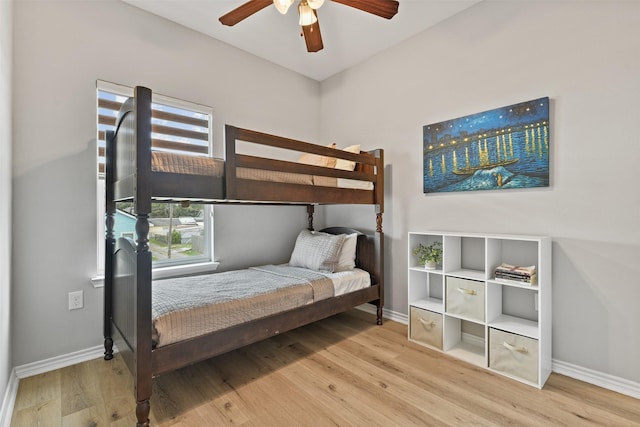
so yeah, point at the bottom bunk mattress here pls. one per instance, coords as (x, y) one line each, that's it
(187, 307)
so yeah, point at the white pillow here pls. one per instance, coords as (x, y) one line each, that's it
(348, 165)
(347, 259)
(317, 251)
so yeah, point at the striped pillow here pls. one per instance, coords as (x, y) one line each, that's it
(317, 251)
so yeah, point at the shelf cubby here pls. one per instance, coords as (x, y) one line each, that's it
(513, 308)
(428, 290)
(464, 257)
(426, 240)
(510, 251)
(464, 340)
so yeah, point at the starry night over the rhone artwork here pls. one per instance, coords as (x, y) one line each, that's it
(498, 149)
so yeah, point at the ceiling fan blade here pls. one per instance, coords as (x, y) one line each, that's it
(244, 11)
(312, 36)
(384, 8)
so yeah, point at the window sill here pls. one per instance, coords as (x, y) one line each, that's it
(166, 272)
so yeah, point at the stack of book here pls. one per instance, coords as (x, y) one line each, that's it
(513, 273)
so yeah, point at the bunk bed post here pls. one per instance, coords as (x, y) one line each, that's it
(379, 189)
(142, 293)
(230, 162)
(379, 185)
(310, 211)
(379, 253)
(109, 244)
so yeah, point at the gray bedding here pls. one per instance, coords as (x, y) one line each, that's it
(188, 307)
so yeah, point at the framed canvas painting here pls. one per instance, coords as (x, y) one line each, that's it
(499, 149)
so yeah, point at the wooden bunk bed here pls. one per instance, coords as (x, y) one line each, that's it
(134, 173)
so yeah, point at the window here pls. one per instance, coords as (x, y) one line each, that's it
(180, 233)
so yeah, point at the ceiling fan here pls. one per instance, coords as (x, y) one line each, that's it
(309, 15)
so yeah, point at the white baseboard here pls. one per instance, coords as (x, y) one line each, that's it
(36, 368)
(40, 367)
(387, 314)
(6, 410)
(600, 379)
(610, 382)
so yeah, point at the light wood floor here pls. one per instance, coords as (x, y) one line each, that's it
(342, 371)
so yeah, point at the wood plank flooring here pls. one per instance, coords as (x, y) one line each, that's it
(342, 371)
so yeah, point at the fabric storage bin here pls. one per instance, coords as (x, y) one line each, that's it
(426, 327)
(465, 298)
(513, 354)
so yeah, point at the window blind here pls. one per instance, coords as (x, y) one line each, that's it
(176, 126)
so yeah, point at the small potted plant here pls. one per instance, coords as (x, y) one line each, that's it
(429, 256)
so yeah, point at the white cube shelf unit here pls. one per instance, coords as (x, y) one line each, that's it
(460, 308)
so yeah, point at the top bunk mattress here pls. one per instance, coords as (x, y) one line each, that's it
(185, 164)
(208, 166)
(187, 307)
(298, 178)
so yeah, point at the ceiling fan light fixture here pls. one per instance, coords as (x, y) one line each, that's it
(282, 5)
(307, 16)
(315, 4)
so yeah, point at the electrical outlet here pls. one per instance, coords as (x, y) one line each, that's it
(75, 300)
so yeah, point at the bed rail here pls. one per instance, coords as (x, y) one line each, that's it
(369, 167)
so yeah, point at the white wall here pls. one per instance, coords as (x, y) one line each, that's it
(6, 30)
(61, 48)
(585, 57)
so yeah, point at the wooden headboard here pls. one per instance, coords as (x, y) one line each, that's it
(368, 251)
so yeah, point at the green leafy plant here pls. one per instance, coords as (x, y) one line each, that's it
(431, 253)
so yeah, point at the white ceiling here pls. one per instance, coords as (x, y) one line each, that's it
(349, 35)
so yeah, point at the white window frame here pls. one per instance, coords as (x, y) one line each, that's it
(163, 269)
